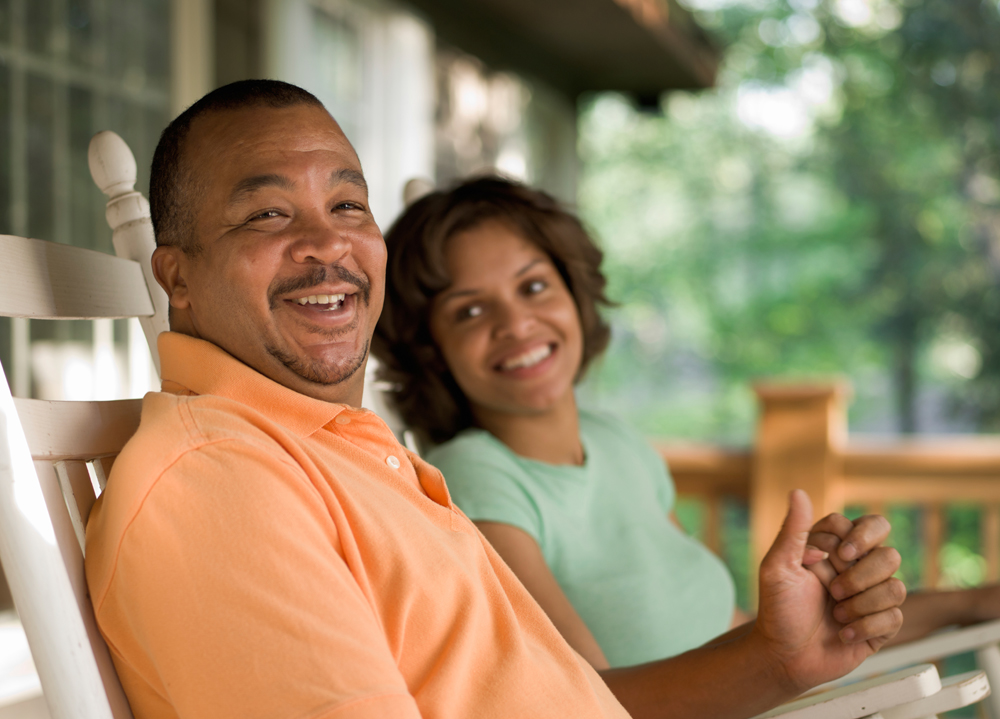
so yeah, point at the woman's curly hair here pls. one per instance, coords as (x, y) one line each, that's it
(425, 393)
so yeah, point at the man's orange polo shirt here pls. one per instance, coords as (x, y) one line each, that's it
(259, 553)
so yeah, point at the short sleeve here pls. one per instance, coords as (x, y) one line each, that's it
(229, 598)
(487, 483)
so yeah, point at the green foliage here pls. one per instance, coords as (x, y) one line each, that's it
(833, 207)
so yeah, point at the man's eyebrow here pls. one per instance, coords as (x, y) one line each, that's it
(250, 185)
(348, 175)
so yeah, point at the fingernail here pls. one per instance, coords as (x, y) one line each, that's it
(837, 591)
(823, 555)
(848, 551)
(840, 614)
(847, 635)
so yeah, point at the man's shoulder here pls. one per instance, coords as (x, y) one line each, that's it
(174, 430)
(184, 446)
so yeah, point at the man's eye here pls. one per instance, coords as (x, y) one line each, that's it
(469, 312)
(266, 215)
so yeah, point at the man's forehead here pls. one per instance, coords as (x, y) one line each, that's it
(250, 131)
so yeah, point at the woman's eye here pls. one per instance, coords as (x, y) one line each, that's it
(470, 312)
(535, 286)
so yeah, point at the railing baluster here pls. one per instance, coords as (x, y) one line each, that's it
(713, 523)
(933, 531)
(991, 541)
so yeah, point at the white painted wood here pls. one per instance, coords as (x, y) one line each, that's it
(112, 165)
(75, 430)
(979, 638)
(864, 698)
(959, 690)
(988, 659)
(46, 280)
(39, 581)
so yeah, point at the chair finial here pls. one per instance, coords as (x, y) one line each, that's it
(112, 164)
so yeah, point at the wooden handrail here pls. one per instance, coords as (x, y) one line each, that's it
(802, 441)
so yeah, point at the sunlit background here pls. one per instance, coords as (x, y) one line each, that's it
(829, 208)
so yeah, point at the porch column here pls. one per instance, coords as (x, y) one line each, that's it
(802, 429)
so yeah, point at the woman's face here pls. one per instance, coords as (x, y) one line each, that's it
(508, 327)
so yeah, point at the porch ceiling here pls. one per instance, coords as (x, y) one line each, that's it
(637, 46)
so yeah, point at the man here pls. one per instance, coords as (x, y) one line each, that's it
(265, 548)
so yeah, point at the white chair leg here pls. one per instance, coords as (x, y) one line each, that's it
(988, 659)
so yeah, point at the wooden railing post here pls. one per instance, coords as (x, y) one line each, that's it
(802, 429)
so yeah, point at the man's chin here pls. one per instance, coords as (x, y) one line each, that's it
(325, 373)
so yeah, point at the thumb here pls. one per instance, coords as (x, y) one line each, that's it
(790, 545)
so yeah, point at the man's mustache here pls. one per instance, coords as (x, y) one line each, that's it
(319, 275)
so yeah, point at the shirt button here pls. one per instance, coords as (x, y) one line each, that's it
(392, 461)
(342, 419)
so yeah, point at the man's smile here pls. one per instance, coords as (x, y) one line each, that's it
(327, 302)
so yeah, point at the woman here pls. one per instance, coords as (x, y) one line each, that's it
(491, 317)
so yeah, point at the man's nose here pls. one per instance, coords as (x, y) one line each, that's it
(319, 241)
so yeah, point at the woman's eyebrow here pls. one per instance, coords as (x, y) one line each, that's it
(528, 266)
(449, 295)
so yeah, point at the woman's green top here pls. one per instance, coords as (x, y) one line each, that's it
(644, 588)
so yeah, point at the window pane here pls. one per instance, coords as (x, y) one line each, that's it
(5, 29)
(84, 47)
(40, 102)
(157, 44)
(41, 30)
(6, 226)
(89, 229)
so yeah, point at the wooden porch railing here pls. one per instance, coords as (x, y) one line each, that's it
(802, 442)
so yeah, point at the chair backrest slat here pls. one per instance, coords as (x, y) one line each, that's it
(50, 281)
(77, 430)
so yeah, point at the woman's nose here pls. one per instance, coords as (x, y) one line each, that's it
(514, 320)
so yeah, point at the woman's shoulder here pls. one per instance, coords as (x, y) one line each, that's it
(470, 449)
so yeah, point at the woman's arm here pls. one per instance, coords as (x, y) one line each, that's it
(523, 555)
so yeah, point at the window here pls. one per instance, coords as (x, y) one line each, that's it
(69, 68)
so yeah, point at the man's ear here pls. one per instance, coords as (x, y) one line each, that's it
(170, 269)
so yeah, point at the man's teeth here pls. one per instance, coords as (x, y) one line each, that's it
(529, 358)
(320, 300)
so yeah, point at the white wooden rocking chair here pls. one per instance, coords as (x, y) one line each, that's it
(55, 456)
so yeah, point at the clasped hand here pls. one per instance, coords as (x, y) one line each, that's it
(828, 599)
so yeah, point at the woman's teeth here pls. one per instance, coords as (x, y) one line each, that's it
(528, 359)
(334, 300)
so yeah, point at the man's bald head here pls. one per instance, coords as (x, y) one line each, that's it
(171, 184)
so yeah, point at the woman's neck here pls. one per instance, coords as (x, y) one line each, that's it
(552, 436)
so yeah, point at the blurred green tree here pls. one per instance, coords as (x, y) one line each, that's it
(831, 208)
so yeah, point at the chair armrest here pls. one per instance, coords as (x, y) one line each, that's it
(864, 698)
(929, 649)
(959, 690)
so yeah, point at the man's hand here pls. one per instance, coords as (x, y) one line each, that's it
(856, 564)
(796, 623)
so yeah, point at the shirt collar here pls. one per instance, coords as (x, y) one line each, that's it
(204, 368)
